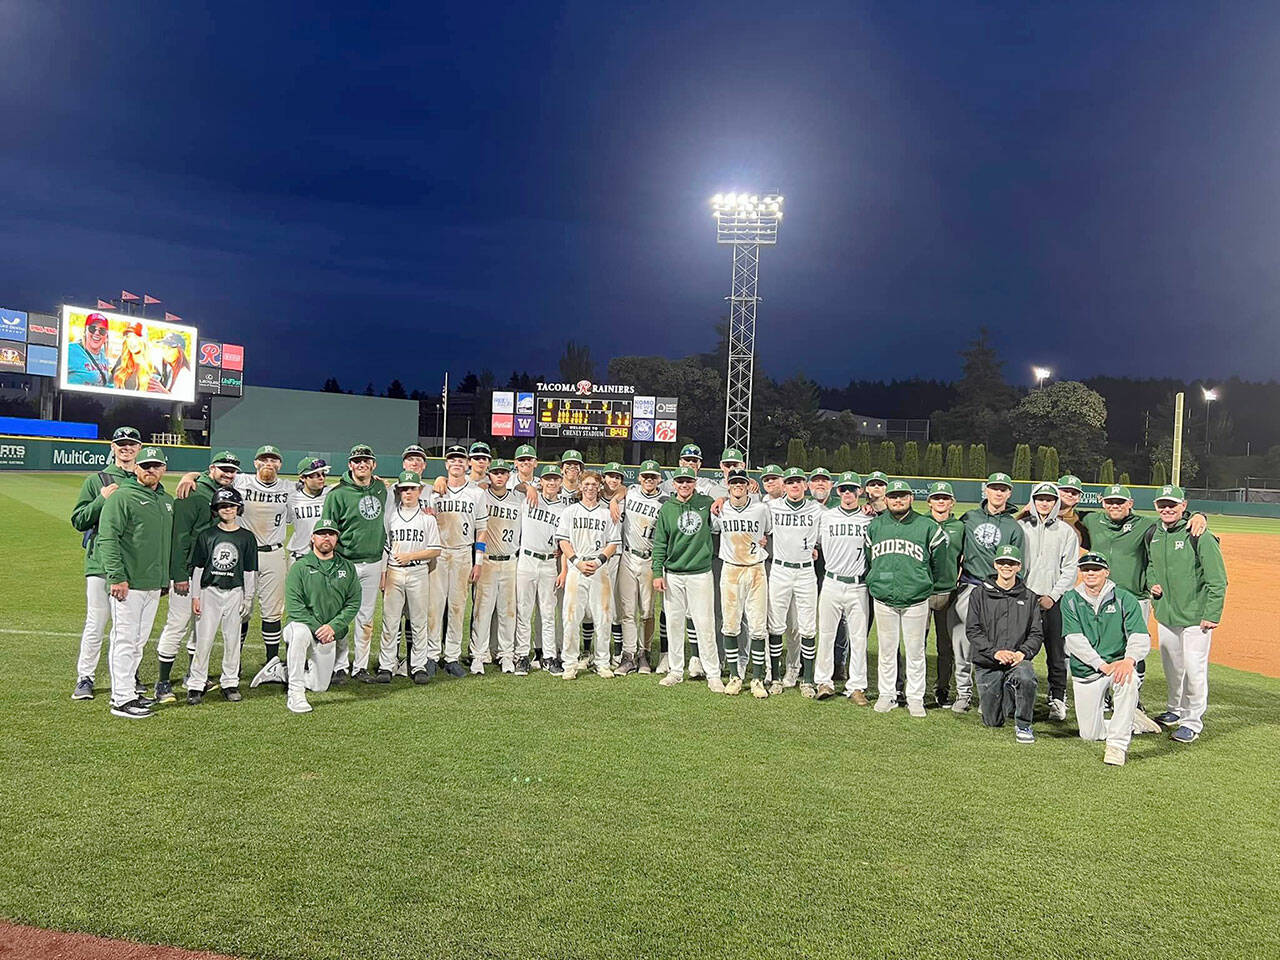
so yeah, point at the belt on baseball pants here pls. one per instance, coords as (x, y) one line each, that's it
(637, 553)
(298, 554)
(730, 563)
(497, 559)
(839, 579)
(793, 566)
(269, 547)
(539, 556)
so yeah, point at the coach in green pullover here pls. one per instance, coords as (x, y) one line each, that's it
(682, 574)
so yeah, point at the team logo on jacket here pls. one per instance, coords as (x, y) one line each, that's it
(370, 507)
(225, 556)
(690, 522)
(988, 534)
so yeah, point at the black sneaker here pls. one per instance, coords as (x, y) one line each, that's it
(455, 669)
(421, 677)
(363, 676)
(431, 669)
(338, 679)
(83, 690)
(382, 676)
(554, 667)
(133, 710)
(164, 692)
(231, 694)
(194, 697)
(522, 666)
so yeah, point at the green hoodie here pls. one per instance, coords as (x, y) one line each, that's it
(682, 536)
(135, 532)
(357, 512)
(949, 555)
(906, 558)
(191, 517)
(318, 591)
(1191, 574)
(983, 532)
(1124, 544)
(84, 516)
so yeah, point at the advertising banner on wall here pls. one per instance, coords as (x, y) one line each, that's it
(220, 368)
(13, 325)
(130, 356)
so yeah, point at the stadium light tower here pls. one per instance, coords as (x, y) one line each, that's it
(1041, 374)
(746, 221)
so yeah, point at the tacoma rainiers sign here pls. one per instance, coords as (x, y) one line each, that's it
(584, 410)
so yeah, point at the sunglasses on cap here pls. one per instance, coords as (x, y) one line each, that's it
(684, 479)
(361, 460)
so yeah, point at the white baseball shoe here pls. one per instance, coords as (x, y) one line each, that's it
(808, 691)
(1114, 757)
(733, 687)
(695, 669)
(570, 672)
(1144, 724)
(790, 679)
(272, 672)
(961, 705)
(671, 679)
(759, 690)
(885, 704)
(298, 702)
(1057, 709)
(605, 672)
(915, 708)
(715, 685)
(663, 665)
(825, 691)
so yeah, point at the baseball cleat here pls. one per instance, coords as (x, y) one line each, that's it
(1057, 709)
(775, 688)
(382, 676)
(584, 663)
(733, 687)
(271, 672)
(231, 694)
(642, 662)
(824, 691)
(790, 679)
(715, 685)
(553, 667)
(455, 669)
(521, 667)
(1023, 734)
(570, 672)
(83, 690)
(209, 685)
(758, 690)
(133, 710)
(1114, 756)
(1143, 724)
(628, 665)
(605, 672)
(859, 697)
(1167, 719)
(477, 667)
(695, 669)
(916, 708)
(961, 705)
(362, 676)
(1184, 734)
(664, 664)
(298, 704)
(194, 697)
(808, 691)
(164, 692)
(338, 679)
(430, 669)
(139, 687)
(885, 704)
(421, 677)
(671, 679)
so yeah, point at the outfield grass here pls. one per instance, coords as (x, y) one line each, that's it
(535, 818)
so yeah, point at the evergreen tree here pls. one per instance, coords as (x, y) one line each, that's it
(797, 455)
(1052, 468)
(331, 386)
(933, 460)
(1159, 476)
(862, 457)
(1042, 452)
(955, 461)
(818, 457)
(1124, 478)
(1107, 472)
(888, 457)
(978, 460)
(910, 459)
(1022, 462)
(842, 459)
(396, 391)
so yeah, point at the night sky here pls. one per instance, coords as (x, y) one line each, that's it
(372, 195)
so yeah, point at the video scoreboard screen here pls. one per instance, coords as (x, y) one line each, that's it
(584, 417)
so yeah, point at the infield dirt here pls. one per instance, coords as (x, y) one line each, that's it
(32, 943)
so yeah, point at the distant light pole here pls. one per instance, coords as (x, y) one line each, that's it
(1209, 397)
(1041, 374)
(746, 221)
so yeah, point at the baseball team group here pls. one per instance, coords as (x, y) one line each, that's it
(774, 584)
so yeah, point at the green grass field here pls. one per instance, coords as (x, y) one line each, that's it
(502, 817)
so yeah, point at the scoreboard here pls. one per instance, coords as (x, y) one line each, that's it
(584, 417)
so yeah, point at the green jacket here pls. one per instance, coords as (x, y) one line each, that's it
(948, 566)
(357, 512)
(682, 536)
(1191, 574)
(1124, 544)
(318, 591)
(84, 515)
(191, 517)
(135, 533)
(1119, 617)
(904, 558)
(984, 532)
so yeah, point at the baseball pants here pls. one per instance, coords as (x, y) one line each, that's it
(536, 588)
(370, 576)
(691, 595)
(450, 585)
(744, 594)
(960, 643)
(850, 604)
(131, 621)
(407, 587)
(789, 587)
(310, 662)
(587, 596)
(1091, 696)
(635, 602)
(97, 615)
(495, 592)
(218, 608)
(1184, 651)
(268, 591)
(178, 627)
(1004, 691)
(907, 625)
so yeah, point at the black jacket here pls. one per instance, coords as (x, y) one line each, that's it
(1002, 619)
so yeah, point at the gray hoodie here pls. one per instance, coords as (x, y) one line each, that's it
(1050, 549)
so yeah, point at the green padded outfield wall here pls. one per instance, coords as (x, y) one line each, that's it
(323, 423)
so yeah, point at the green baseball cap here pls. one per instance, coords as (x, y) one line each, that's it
(685, 473)
(819, 472)
(614, 467)
(1172, 493)
(361, 450)
(413, 450)
(1069, 481)
(1094, 560)
(499, 464)
(690, 450)
(650, 467)
(877, 476)
(1117, 491)
(454, 451)
(312, 465)
(550, 470)
(324, 526)
(151, 455)
(848, 479)
(225, 459)
(409, 478)
(127, 434)
(794, 473)
(1044, 488)
(941, 488)
(1008, 552)
(525, 452)
(732, 455)
(480, 449)
(899, 486)
(999, 479)
(571, 456)
(267, 450)
(771, 470)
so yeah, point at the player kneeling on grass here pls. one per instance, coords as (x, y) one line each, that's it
(321, 597)
(1106, 636)
(1005, 633)
(413, 541)
(1189, 586)
(588, 537)
(224, 565)
(744, 526)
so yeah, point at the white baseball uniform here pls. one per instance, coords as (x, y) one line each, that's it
(842, 538)
(302, 512)
(536, 574)
(496, 588)
(744, 588)
(462, 519)
(589, 530)
(635, 571)
(265, 507)
(408, 584)
(791, 578)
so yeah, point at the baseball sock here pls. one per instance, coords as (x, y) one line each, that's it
(244, 631)
(662, 630)
(166, 666)
(775, 655)
(588, 635)
(616, 633)
(808, 650)
(757, 658)
(271, 632)
(730, 654)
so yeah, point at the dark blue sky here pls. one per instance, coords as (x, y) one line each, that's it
(386, 194)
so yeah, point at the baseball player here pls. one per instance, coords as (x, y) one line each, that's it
(413, 541)
(771, 481)
(355, 507)
(571, 465)
(192, 516)
(496, 588)
(526, 461)
(414, 459)
(1106, 636)
(946, 621)
(904, 545)
(614, 492)
(94, 492)
(744, 526)
(537, 573)
(224, 564)
(462, 517)
(1189, 583)
(322, 595)
(135, 534)
(842, 597)
(588, 538)
(305, 505)
(640, 509)
(682, 573)
(820, 487)
(791, 581)
(266, 497)
(875, 487)
(1051, 548)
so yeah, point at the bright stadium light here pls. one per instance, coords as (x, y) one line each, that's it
(1041, 374)
(744, 220)
(1209, 396)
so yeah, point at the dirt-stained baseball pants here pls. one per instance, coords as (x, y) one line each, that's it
(131, 621)
(218, 608)
(1184, 651)
(310, 662)
(790, 587)
(1091, 697)
(536, 588)
(850, 604)
(910, 626)
(406, 587)
(496, 591)
(691, 595)
(587, 596)
(97, 615)
(744, 593)
(635, 600)
(450, 585)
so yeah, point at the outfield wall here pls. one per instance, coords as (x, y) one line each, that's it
(310, 421)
